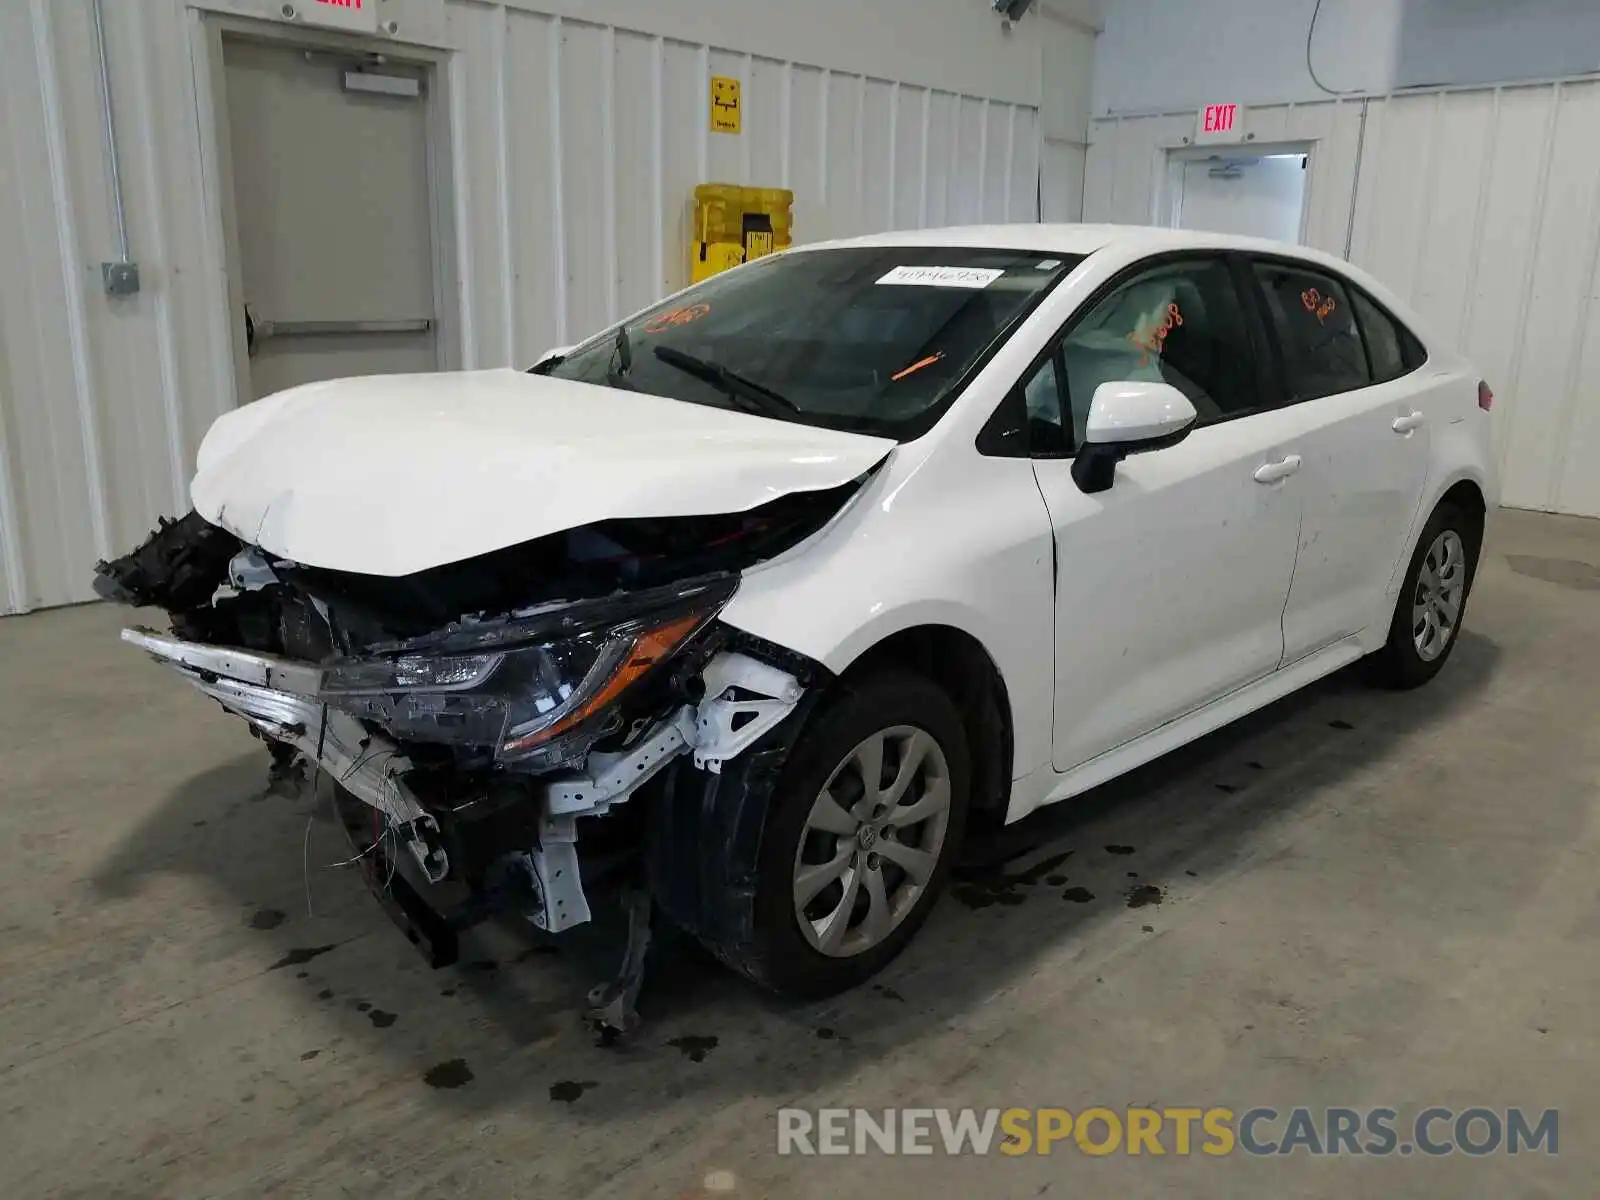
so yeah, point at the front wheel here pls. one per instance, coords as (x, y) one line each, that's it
(858, 837)
(1432, 601)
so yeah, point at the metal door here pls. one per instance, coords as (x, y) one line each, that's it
(331, 207)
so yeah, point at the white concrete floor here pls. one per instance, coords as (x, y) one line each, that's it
(1368, 899)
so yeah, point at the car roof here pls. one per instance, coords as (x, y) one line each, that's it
(1135, 240)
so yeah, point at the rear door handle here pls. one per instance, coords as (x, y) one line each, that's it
(1406, 424)
(1272, 472)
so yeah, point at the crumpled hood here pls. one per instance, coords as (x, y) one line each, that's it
(392, 474)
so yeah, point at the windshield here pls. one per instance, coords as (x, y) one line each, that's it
(875, 339)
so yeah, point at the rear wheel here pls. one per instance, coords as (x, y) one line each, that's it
(858, 837)
(1432, 601)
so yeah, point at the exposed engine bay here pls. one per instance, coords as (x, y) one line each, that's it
(472, 715)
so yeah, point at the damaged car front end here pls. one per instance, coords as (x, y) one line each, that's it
(465, 755)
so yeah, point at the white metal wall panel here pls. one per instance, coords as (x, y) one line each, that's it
(577, 132)
(582, 172)
(1125, 175)
(1481, 207)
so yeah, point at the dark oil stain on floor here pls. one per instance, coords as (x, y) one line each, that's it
(1119, 849)
(1055, 880)
(1566, 572)
(826, 1034)
(325, 994)
(267, 918)
(1337, 724)
(448, 992)
(693, 1046)
(309, 1055)
(1078, 895)
(381, 1019)
(887, 992)
(1229, 788)
(361, 1005)
(982, 887)
(1255, 766)
(567, 1090)
(452, 1074)
(1191, 874)
(1147, 929)
(1145, 894)
(301, 955)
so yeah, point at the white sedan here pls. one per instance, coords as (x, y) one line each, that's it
(747, 603)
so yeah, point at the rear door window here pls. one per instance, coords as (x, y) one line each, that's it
(1323, 351)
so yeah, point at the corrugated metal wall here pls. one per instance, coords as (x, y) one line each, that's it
(1479, 206)
(575, 146)
(560, 235)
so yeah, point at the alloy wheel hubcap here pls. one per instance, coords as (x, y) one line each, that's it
(1441, 587)
(871, 841)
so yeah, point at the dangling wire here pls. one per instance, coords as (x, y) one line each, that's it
(1311, 69)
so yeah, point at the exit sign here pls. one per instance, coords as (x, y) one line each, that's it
(340, 14)
(1217, 123)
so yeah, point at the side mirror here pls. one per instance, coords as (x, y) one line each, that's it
(1129, 418)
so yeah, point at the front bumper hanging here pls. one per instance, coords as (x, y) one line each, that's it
(744, 698)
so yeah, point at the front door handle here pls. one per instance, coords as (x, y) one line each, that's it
(1272, 472)
(1407, 424)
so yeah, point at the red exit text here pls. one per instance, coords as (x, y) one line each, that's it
(1219, 117)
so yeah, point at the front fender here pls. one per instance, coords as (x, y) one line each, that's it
(969, 547)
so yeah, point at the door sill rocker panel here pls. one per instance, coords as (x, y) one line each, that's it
(1214, 716)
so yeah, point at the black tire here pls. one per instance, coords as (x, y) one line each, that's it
(764, 942)
(1399, 665)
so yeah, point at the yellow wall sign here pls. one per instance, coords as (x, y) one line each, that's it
(726, 110)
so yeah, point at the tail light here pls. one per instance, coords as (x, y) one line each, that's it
(1485, 396)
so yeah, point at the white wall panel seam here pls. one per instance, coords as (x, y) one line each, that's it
(1430, 184)
(786, 129)
(927, 126)
(983, 159)
(658, 161)
(558, 213)
(462, 186)
(166, 347)
(894, 142)
(1469, 300)
(502, 170)
(608, 190)
(1530, 268)
(16, 577)
(206, 179)
(745, 139)
(860, 132)
(1567, 402)
(822, 135)
(73, 269)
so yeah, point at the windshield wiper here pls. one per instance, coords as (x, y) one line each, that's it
(617, 376)
(756, 398)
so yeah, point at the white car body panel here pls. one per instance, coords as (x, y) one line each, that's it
(1172, 581)
(1188, 594)
(389, 475)
(834, 601)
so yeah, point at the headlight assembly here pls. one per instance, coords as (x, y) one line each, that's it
(521, 684)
